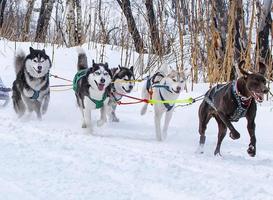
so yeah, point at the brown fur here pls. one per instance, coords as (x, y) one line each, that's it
(225, 105)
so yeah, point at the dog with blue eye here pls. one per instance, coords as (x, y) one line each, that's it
(30, 91)
(92, 88)
(161, 87)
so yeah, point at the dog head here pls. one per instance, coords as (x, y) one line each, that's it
(124, 79)
(99, 76)
(37, 63)
(255, 82)
(175, 81)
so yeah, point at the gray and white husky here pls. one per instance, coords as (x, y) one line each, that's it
(123, 83)
(92, 88)
(162, 87)
(30, 89)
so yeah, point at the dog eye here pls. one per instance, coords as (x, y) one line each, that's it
(174, 79)
(105, 73)
(35, 60)
(42, 60)
(97, 73)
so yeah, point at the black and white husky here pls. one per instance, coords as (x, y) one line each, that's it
(31, 86)
(123, 83)
(92, 88)
(162, 87)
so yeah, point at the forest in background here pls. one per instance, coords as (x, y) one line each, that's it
(206, 37)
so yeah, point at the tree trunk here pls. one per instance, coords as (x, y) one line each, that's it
(221, 15)
(79, 22)
(132, 28)
(2, 7)
(263, 32)
(43, 21)
(71, 24)
(104, 39)
(240, 32)
(156, 44)
(27, 20)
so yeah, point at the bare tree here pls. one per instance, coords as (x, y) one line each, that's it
(156, 43)
(2, 9)
(132, 28)
(43, 20)
(27, 19)
(263, 32)
(79, 22)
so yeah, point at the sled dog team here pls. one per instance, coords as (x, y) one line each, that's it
(99, 87)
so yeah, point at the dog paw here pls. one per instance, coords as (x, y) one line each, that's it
(115, 119)
(200, 149)
(84, 125)
(217, 153)
(234, 135)
(100, 122)
(251, 150)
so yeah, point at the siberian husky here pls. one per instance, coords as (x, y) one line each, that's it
(123, 83)
(162, 87)
(31, 86)
(92, 87)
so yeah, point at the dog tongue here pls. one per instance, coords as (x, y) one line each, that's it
(259, 97)
(101, 86)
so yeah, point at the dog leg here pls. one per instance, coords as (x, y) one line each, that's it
(103, 117)
(45, 103)
(113, 113)
(37, 109)
(222, 130)
(204, 118)
(157, 121)
(18, 104)
(145, 95)
(251, 130)
(168, 118)
(234, 134)
(87, 119)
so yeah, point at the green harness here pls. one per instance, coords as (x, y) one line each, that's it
(79, 75)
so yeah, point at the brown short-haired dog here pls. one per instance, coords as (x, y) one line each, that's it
(229, 102)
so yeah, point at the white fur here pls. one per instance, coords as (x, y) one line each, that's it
(160, 109)
(97, 94)
(32, 67)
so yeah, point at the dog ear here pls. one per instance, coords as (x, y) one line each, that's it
(31, 50)
(240, 66)
(119, 67)
(93, 63)
(262, 68)
(43, 51)
(132, 68)
(106, 65)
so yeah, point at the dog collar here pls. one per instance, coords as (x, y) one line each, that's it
(246, 101)
(242, 105)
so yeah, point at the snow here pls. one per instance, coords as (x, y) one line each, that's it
(55, 159)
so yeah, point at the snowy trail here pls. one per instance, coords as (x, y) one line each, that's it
(55, 159)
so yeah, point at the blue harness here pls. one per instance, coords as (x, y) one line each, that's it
(36, 93)
(151, 84)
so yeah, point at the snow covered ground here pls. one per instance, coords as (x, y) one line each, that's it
(55, 159)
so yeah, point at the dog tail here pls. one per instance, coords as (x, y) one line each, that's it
(82, 60)
(19, 61)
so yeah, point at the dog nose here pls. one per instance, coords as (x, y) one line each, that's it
(39, 67)
(178, 88)
(266, 90)
(131, 87)
(102, 80)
